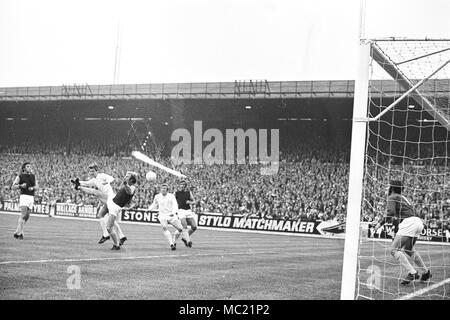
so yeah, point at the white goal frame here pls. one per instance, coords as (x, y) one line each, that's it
(360, 120)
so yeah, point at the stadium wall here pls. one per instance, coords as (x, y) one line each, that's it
(328, 229)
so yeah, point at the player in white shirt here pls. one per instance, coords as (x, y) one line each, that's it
(100, 186)
(167, 207)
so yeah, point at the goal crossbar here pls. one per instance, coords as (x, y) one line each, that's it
(409, 87)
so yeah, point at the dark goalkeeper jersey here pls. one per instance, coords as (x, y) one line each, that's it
(400, 207)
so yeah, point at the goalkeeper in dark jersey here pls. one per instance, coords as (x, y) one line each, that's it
(410, 227)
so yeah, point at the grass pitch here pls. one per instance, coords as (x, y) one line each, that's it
(221, 265)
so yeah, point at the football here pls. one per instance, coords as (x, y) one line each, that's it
(150, 176)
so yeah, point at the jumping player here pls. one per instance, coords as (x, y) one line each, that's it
(117, 203)
(27, 184)
(409, 228)
(100, 186)
(167, 207)
(185, 199)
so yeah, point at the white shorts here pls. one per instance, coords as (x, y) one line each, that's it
(165, 219)
(26, 201)
(411, 227)
(104, 197)
(185, 214)
(113, 208)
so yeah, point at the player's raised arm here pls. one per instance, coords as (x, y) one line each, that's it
(16, 184)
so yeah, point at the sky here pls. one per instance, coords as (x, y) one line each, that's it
(56, 42)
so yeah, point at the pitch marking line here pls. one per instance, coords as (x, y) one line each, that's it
(425, 290)
(135, 257)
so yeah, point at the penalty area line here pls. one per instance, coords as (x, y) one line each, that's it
(135, 257)
(424, 290)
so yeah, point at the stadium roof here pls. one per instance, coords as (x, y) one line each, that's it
(210, 90)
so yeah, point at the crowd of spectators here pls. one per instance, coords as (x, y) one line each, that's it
(306, 189)
(311, 182)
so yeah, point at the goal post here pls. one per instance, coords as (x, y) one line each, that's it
(358, 144)
(400, 131)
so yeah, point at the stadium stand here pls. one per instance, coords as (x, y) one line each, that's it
(311, 183)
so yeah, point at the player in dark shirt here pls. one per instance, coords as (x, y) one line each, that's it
(117, 203)
(27, 184)
(409, 229)
(185, 199)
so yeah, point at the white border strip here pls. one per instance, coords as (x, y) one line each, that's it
(135, 257)
(424, 290)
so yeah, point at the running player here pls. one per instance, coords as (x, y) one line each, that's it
(167, 207)
(27, 184)
(117, 203)
(185, 199)
(100, 186)
(409, 229)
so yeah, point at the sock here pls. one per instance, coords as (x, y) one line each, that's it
(20, 225)
(419, 262)
(168, 236)
(191, 231)
(401, 257)
(118, 230)
(176, 235)
(114, 239)
(185, 234)
(103, 226)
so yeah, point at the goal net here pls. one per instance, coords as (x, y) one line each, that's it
(407, 138)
